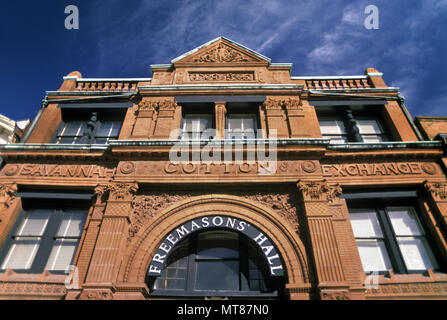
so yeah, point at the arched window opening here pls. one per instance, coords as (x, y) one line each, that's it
(216, 263)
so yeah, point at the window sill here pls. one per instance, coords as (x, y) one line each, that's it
(46, 276)
(32, 286)
(427, 276)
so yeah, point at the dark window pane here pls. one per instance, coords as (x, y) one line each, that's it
(101, 141)
(217, 245)
(109, 129)
(217, 275)
(73, 128)
(173, 276)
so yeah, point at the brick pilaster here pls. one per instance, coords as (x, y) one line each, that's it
(316, 196)
(436, 209)
(91, 232)
(112, 238)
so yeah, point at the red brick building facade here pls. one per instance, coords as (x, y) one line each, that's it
(351, 202)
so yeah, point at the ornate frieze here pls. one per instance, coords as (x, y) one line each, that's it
(145, 207)
(17, 288)
(96, 294)
(58, 171)
(7, 194)
(335, 295)
(409, 289)
(259, 169)
(282, 204)
(378, 169)
(438, 189)
(100, 191)
(280, 104)
(151, 105)
(221, 76)
(334, 192)
(314, 190)
(121, 191)
(222, 53)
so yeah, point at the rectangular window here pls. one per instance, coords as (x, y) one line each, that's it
(370, 240)
(71, 133)
(89, 126)
(66, 239)
(107, 130)
(391, 238)
(371, 131)
(27, 240)
(217, 251)
(343, 124)
(334, 130)
(241, 126)
(411, 239)
(44, 239)
(194, 125)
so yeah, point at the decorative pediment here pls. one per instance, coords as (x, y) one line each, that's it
(221, 51)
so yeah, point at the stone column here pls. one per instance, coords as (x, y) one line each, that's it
(220, 113)
(111, 242)
(316, 196)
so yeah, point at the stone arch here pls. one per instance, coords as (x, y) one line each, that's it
(146, 242)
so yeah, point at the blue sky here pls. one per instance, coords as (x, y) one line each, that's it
(320, 37)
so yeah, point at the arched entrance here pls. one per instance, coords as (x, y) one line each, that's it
(216, 256)
(146, 244)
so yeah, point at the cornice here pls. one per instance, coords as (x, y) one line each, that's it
(357, 146)
(89, 93)
(358, 90)
(50, 151)
(268, 86)
(391, 154)
(316, 147)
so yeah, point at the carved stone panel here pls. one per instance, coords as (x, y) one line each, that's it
(221, 76)
(222, 53)
(7, 194)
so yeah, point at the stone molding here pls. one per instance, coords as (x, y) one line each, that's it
(288, 243)
(319, 191)
(413, 289)
(151, 105)
(437, 189)
(281, 104)
(146, 207)
(222, 53)
(7, 194)
(119, 191)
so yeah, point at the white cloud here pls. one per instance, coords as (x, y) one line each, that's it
(320, 37)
